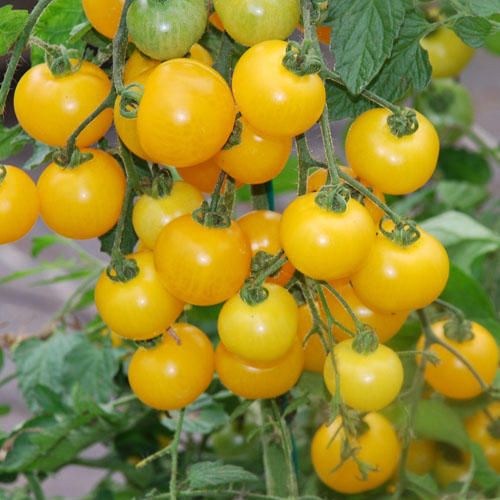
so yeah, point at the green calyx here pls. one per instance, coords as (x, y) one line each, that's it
(60, 157)
(403, 122)
(458, 329)
(404, 232)
(130, 99)
(333, 198)
(319, 9)
(3, 173)
(58, 58)
(253, 293)
(162, 183)
(217, 218)
(302, 59)
(122, 270)
(440, 100)
(235, 137)
(366, 340)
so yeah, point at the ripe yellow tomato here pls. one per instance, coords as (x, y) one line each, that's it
(138, 64)
(273, 99)
(193, 260)
(448, 55)
(175, 372)
(262, 228)
(50, 108)
(19, 205)
(203, 176)
(478, 429)
(258, 158)
(395, 165)
(450, 376)
(396, 279)
(378, 447)
(318, 179)
(324, 244)
(368, 381)
(104, 15)
(259, 380)
(451, 465)
(314, 352)
(140, 308)
(82, 202)
(385, 324)
(263, 332)
(186, 113)
(422, 455)
(200, 54)
(151, 215)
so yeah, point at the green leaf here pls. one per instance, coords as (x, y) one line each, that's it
(484, 8)
(484, 475)
(41, 155)
(424, 487)
(461, 195)
(210, 474)
(363, 36)
(55, 26)
(56, 264)
(12, 140)
(11, 24)
(407, 69)
(438, 422)
(464, 165)
(40, 243)
(473, 30)
(465, 239)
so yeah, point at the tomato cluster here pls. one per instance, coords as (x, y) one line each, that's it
(369, 270)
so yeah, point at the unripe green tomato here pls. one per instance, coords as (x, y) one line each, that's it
(448, 105)
(166, 29)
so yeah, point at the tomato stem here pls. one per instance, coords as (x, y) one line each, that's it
(260, 200)
(358, 324)
(120, 45)
(17, 52)
(175, 454)
(326, 133)
(305, 162)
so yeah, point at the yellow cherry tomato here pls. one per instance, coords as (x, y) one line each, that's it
(263, 332)
(50, 108)
(138, 64)
(258, 157)
(201, 54)
(324, 244)
(395, 278)
(395, 165)
(140, 308)
(151, 215)
(479, 429)
(386, 325)
(203, 176)
(175, 372)
(273, 99)
(422, 455)
(104, 15)
(85, 201)
(252, 380)
(186, 113)
(451, 466)
(450, 376)
(202, 265)
(19, 205)
(448, 55)
(368, 381)
(378, 446)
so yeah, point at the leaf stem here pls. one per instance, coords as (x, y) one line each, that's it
(35, 486)
(19, 46)
(175, 455)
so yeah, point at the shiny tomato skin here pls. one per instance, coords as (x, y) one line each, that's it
(259, 380)
(386, 325)
(324, 244)
(378, 447)
(138, 64)
(314, 352)
(19, 205)
(261, 333)
(397, 279)
(253, 21)
(175, 372)
(450, 376)
(104, 15)
(166, 30)
(50, 108)
(202, 265)
(368, 382)
(82, 202)
(273, 99)
(262, 228)
(202, 176)
(448, 55)
(258, 157)
(478, 430)
(186, 113)
(140, 308)
(318, 179)
(395, 165)
(150, 215)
